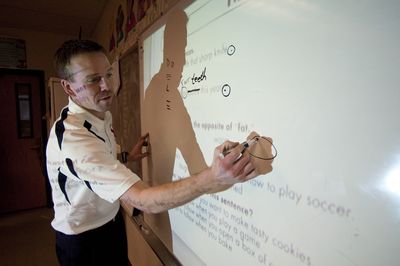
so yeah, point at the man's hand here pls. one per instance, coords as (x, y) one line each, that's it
(229, 170)
(136, 152)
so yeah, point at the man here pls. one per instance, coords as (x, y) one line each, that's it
(87, 179)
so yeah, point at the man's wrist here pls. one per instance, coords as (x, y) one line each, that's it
(205, 181)
(124, 156)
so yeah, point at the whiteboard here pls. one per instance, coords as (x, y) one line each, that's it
(321, 78)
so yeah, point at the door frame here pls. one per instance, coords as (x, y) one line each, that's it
(43, 110)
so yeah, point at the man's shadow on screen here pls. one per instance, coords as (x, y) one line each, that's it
(166, 119)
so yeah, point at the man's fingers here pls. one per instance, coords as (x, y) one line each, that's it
(243, 160)
(237, 165)
(233, 153)
(227, 145)
(250, 175)
(222, 150)
(140, 156)
(142, 140)
(145, 136)
(248, 169)
(144, 154)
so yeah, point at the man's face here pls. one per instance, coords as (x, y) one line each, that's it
(90, 82)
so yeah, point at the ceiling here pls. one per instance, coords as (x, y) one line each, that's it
(56, 16)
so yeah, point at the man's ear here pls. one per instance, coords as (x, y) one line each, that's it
(67, 88)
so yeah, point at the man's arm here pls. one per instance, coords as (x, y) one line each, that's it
(223, 173)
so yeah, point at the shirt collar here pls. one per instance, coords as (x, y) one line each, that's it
(77, 109)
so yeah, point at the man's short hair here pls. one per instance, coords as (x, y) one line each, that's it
(69, 49)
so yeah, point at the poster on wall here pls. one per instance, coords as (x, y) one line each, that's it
(12, 53)
(119, 22)
(131, 17)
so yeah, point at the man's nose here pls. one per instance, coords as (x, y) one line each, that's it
(105, 84)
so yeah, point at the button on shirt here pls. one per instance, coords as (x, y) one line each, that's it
(86, 178)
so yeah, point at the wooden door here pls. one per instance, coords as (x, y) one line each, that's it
(22, 134)
(126, 106)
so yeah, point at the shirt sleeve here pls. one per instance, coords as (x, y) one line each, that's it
(88, 159)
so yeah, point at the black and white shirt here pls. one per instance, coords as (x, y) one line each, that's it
(86, 178)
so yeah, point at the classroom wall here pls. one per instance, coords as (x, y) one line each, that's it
(106, 28)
